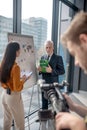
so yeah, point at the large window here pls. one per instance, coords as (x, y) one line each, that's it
(6, 23)
(36, 21)
(65, 16)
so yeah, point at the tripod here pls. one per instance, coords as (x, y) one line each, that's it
(46, 120)
(58, 103)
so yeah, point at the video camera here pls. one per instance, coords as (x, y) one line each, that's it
(55, 95)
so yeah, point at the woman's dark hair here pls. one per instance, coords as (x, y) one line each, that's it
(8, 61)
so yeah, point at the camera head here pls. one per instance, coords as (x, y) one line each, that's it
(55, 95)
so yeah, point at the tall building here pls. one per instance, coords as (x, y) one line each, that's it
(6, 25)
(39, 30)
(36, 27)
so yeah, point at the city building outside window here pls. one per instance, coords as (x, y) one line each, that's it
(6, 23)
(37, 21)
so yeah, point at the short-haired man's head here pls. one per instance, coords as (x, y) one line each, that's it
(49, 42)
(49, 47)
(77, 26)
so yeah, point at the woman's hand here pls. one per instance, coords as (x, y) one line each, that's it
(24, 78)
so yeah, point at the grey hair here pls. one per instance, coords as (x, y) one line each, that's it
(49, 42)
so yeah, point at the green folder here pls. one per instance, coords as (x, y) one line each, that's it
(43, 64)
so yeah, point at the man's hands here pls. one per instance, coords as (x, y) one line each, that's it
(70, 102)
(66, 120)
(39, 68)
(48, 69)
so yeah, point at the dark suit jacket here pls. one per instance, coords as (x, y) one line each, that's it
(56, 63)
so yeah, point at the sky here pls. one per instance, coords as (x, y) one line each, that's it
(30, 8)
(37, 8)
(6, 8)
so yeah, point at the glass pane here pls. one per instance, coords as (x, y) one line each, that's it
(6, 23)
(36, 21)
(66, 15)
(72, 1)
(78, 3)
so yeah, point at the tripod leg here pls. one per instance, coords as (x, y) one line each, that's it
(43, 125)
(51, 125)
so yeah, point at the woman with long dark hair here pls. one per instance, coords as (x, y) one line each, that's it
(12, 84)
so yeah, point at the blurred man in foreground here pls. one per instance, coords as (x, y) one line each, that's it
(75, 40)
